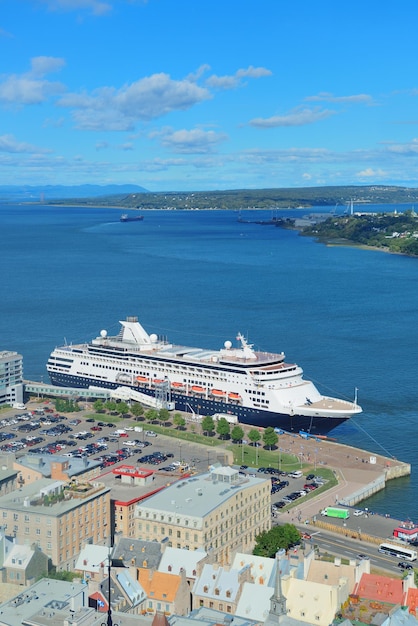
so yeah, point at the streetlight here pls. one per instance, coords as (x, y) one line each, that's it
(180, 452)
(110, 563)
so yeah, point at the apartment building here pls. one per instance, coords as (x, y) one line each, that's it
(60, 517)
(220, 512)
(11, 377)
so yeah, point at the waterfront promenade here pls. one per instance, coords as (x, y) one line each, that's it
(359, 474)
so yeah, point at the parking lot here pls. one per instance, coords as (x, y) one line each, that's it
(45, 432)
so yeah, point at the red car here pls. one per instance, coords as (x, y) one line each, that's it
(96, 428)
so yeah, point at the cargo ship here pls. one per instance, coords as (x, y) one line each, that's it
(259, 388)
(131, 218)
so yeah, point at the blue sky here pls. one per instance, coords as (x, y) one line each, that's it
(208, 94)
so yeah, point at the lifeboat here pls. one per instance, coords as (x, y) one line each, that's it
(158, 381)
(234, 396)
(142, 379)
(218, 393)
(177, 386)
(197, 389)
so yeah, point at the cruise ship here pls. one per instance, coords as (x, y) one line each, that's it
(258, 388)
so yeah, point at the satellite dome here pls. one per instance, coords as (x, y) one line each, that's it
(228, 345)
(153, 337)
(103, 334)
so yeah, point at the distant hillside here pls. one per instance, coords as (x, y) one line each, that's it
(237, 199)
(134, 196)
(48, 193)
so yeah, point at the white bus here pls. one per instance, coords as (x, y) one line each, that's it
(401, 552)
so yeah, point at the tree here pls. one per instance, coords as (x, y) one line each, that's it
(208, 425)
(98, 406)
(254, 436)
(223, 428)
(110, 405)
(179, 421)
(237, 434)
(151, 415)
(122, 408)
(269, 541)
(164, 416)
(137, 409)
(270, 438)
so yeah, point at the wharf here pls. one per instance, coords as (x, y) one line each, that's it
(359, 473)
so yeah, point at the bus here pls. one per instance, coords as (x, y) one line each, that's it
(399, 551)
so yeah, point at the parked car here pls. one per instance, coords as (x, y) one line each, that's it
(150, 433)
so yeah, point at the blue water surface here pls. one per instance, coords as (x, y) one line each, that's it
(348, 316)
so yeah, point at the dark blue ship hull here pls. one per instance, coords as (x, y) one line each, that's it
(204, 406)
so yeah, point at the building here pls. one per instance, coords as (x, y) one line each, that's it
(33, 467)
(8, 480)
(220, 512)
(167, 593)
(59, 517)
(11, 377)
(220, 588)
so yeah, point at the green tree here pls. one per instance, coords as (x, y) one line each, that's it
(254, 436)
(122, 408)
(137, 410)
(98, 406)
(222, 428)
(110, 405)
(164, 416)
(151, 415)
(208, 425)
(237, 434)
(270, 438)
(179, 421)
(269, 541)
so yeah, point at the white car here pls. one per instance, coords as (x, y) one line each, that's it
(358, 512)
(130, 443)
(150, 433)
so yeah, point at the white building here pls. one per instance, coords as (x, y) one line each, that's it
(11, 377)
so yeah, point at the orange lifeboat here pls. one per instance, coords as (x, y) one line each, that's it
(158, 381)
(218, 393)
(197, 389)
(234, 396)
(177, 385)
(142, 379)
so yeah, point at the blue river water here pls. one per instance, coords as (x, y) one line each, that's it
(348, 316)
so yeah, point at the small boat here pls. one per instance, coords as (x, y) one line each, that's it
(177, 385)
(197, 389)
(234, 396)
(142, 379)
(158, 381)
(131, 218)
(218, 392)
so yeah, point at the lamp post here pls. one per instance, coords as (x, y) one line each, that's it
(109, 607)
(115, 563)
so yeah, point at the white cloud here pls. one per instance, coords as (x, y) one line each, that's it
(108, 108)
(45, 65)
(231, 82)
(361, 98)
(194, 141)
(405, 149)
(9, 144)
(96, 7)
(298, 117)
(31, 87)
(372, 174)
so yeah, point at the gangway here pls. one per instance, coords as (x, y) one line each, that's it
(126, 394)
